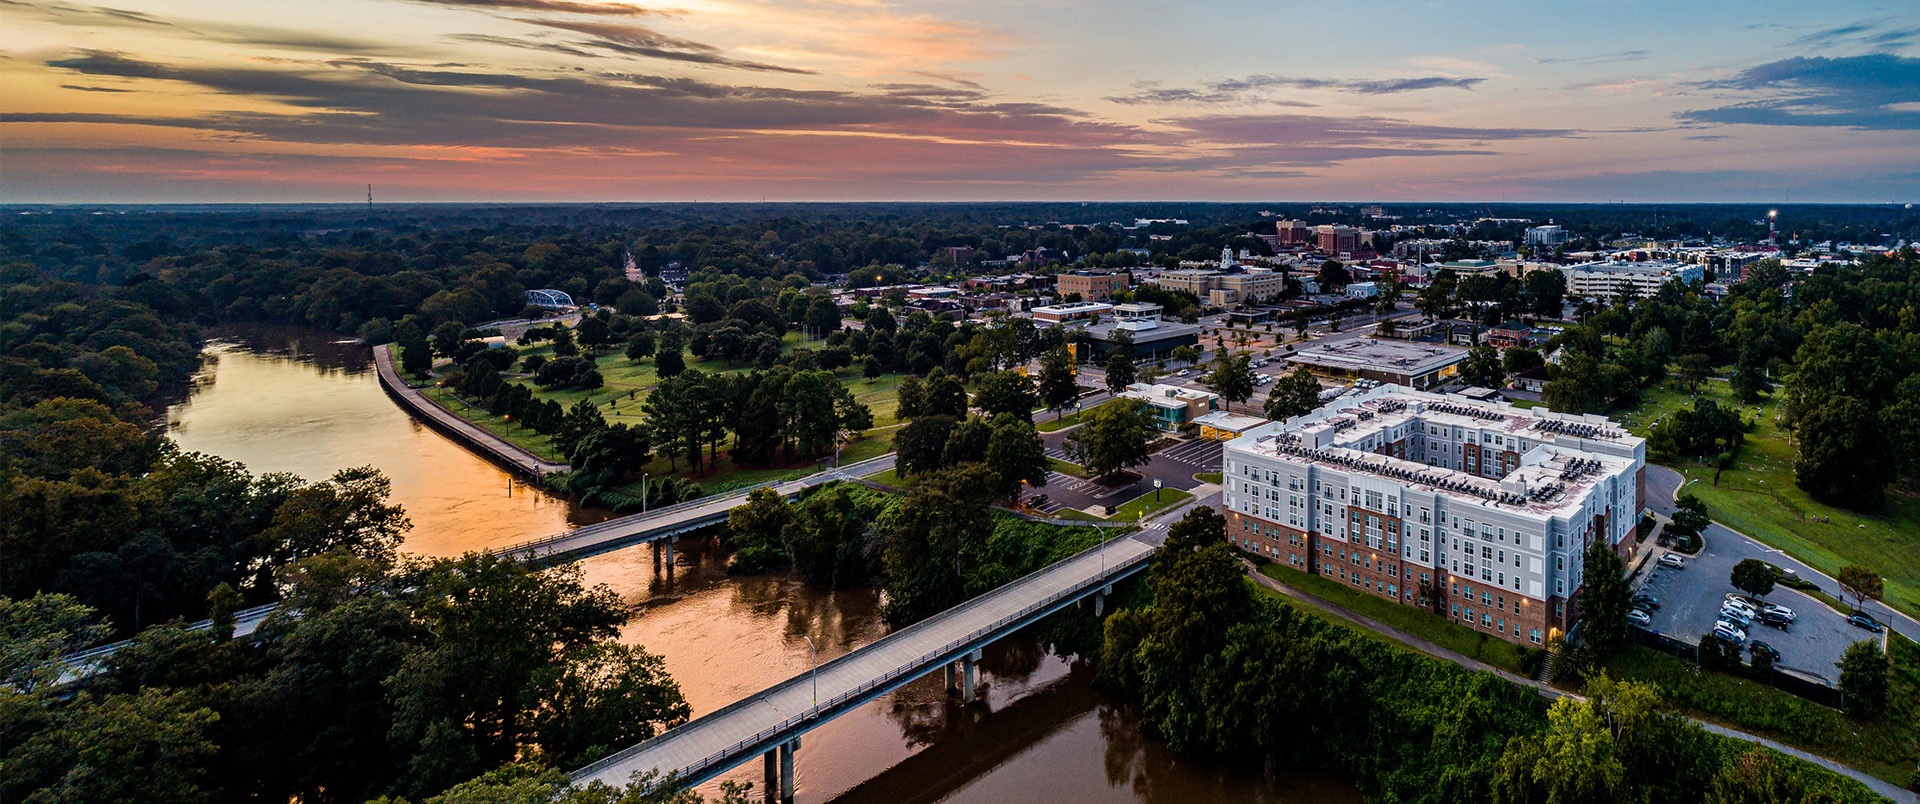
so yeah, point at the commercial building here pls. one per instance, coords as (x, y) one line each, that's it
(1137, 311)
(1416, 365)
(1479, 510)
(1222, 425)
(1076, 311)
(1223, 289)
(1605, 280)
(1151, 338)
(1546, 236)
(1172, 405)
(1294, 233)
(1091, 285)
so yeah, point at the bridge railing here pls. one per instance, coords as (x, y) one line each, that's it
(634, 519)
(91, 653)
(917, 665)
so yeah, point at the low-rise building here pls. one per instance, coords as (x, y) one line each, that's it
(1150, 338)
(1416, 365)
(1074, 311)
(1222, 425)
(1479, 510)
(1172, 405)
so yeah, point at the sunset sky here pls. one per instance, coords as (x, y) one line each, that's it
(723, 100)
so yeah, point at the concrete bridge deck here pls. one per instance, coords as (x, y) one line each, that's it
(775, 718)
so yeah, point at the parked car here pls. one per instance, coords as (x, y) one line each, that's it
(1736, 616)
(1740, 605)
(1672, 561)
(1775, 620)
(1183, 373)
(1037, 500)
(1639, 618)
(1863, 621)
(1646, 601)
(1757, 647)
(1777, 609)
(1730, 632)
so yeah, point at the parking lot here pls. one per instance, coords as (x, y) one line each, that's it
(1690, 601)
(1173, 466)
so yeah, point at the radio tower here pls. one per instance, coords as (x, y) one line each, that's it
(369, 198)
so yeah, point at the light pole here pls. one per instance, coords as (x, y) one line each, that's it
(814, 654)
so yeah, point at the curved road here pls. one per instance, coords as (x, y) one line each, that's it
(498, 448)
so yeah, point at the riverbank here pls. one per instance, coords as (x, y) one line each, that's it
(472, 435)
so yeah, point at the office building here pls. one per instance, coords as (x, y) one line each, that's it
(1546, 236)
(1478, 510)
(1076, 311)
(1294, 233)
(1335, 239)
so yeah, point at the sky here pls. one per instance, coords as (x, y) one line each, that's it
(147, 101)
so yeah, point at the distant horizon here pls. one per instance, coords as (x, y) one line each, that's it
(377, 205)
(695, 101)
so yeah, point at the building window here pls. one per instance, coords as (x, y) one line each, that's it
(1535, 633)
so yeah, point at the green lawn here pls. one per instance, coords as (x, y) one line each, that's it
(1758, 497)
(1887, 747)
(1148, 504)
(1418, 622)
(1066, 468)
(521, 437)
(1215, 478)
(1330, 619)
(622, 398)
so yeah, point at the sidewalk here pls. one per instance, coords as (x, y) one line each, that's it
(1877, 785)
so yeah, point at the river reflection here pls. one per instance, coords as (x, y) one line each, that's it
(288, 399)
(294, 400)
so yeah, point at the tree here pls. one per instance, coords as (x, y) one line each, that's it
(945, 396)
(1604, 600)
(669, 363)
(595, 333)
(1333, 277)
(640, 346)
(1753, 576)
(1694, 370)
(911, 395)
(1016, 453)
(1519, 358)
(1294, 394)
(1863, 583)
(416, 356)
(1482, 368)
(448, 337)
(757, 525)
(998, 392)
(1844, 457)
(935, 540)
(1231, 377)
(1112, 437)
(1863, 679)
(830, 540)
(922, 444)
(1120, 372)
(1689, 517)
(1201, 528)
(1058, 388)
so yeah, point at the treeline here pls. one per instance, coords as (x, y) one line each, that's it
(1218, 671)
(374, 678)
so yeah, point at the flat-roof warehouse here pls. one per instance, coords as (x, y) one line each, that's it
(1416, 365)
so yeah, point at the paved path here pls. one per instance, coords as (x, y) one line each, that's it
(750, 727)
(1877, 785)
(446, 421)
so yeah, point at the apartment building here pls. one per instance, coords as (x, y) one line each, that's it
(1477, 510)
(1091, 285)
(1335, 239)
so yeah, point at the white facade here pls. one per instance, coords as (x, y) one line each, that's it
(1603, 280)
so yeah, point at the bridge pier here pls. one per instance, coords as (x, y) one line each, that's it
(966, 673)
(1100, 601)
(771, 785)
(786, 770)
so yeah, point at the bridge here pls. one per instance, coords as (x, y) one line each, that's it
(770, 724)
(661, 527)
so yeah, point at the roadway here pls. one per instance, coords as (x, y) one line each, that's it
(444, 420)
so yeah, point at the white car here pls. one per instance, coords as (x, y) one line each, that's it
(1779, 611)
(1737, 617)
(1730, 632)
(1639, 618)
(1672, 561)
(1741, 604)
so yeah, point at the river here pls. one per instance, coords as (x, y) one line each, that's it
(301, 401)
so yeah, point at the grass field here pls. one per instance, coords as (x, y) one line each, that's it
(521, 437)
(1886, 747)
(1758, 497)
(1418, 622)
(1330, 619)
(1215, 478)
(1048, 424)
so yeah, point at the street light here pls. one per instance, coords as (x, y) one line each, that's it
(815, 655)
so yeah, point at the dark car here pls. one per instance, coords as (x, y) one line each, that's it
(1776, 620)
(1863, 621)
(1757, 647)
(1646, 602)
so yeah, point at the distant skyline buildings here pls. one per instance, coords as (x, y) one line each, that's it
(744, 100)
